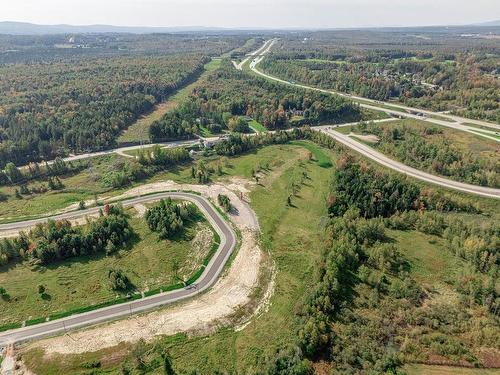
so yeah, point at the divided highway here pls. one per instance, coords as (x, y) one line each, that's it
(455, 122)
(410, 171)
(381, 158)
(206, 280)
(261, 50)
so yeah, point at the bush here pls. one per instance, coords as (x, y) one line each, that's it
(168, 218)
(225, 202)
(118, 280)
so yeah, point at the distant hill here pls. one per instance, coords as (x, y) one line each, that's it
(24, 28)
(490, 23)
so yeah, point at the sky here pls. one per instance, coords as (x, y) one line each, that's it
(255, 13)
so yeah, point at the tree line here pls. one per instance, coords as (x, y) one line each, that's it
(54, 241)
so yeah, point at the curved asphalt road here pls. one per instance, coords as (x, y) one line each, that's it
(456, 121)
(207, 279)
(379, 157)
(400, 167)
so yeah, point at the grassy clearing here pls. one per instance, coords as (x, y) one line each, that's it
(369, 115)
(257, 126)
(431, 263)
(447, 370)
(82, 281)
(319, 155)
(480, 127)
(292, 236)
(442, 118)
(77, 187)
(488, 134)
(139, 131)
(86, 185)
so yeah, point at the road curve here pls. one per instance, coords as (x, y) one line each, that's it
(206, 280)
(400, 167)
(455, 122)
(379, 157)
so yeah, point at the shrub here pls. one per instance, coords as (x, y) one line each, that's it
(118, 280)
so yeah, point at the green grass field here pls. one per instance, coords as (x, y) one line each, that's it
(139, 131)
(293, 238)
(428, 257)
(82, 281)
(86, 185)
(257, 126)
(81, 186)
(319, 155)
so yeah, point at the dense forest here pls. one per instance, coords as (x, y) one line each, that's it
(73, 93)
(230, 92)
(437, 75)
(50, 109)
(47, 48)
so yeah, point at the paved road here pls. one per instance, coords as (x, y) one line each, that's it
(253, 54)
(400, 167)
(455, 122)
(379, 157)
(207, 279)
(122, 150)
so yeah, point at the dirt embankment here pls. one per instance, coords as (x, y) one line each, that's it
(202, 314)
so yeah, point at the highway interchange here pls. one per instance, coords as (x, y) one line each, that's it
(380, 158)
(227, 235)
(455, 122)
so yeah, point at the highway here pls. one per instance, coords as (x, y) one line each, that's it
(381, 158)
(410, 171)
(259, 51)
(454, 122)
(206, 280)
(123, 150)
